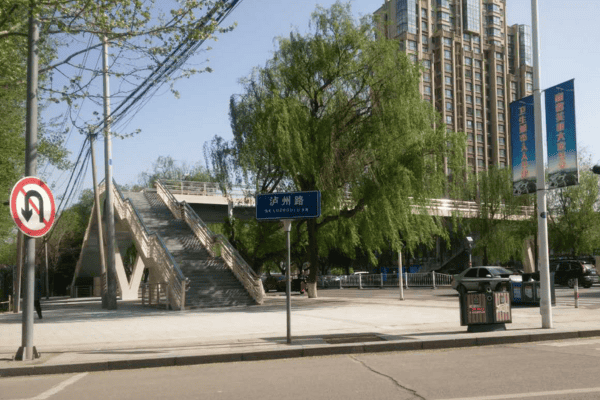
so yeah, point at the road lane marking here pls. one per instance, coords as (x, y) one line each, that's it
(58, 388)
(530, 394)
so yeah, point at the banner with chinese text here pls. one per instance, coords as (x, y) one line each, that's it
(561, 136)
(522, 128)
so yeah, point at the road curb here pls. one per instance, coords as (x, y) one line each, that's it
(296, 352)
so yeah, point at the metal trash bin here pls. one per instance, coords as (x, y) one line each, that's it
(485, 311)
(528, 292)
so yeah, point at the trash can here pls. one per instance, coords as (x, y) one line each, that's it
(485, 311)
(528, 292)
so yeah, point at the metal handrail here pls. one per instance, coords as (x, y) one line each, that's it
(156, 247)
(210, 240)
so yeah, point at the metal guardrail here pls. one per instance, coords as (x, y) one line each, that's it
(206, 189)
(427, 279)
(217, 245)
(151, 245)
(155, 294)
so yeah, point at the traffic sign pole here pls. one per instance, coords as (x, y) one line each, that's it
(287, 227)
(27, 351)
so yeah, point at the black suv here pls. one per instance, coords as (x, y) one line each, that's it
(565, 272)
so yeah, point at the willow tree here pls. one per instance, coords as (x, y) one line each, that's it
(338, 110)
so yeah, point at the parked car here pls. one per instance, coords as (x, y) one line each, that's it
(566, 271)
(277, 282)
(481, 278)
(327, 281)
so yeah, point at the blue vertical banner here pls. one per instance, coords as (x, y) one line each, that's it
(522, 144)
(562, 139)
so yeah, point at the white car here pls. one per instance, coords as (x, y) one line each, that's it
(481, 278)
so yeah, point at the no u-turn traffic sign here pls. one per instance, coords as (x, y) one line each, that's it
(32, 206)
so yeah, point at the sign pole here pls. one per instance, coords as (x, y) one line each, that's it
(545, 301)
(287, 227)
(27, 351)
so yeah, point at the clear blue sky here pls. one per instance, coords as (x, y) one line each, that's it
(570, 48)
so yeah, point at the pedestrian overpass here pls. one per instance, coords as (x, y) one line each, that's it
(166, 253)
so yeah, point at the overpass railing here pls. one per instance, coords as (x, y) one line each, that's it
(217, 245)
(151, 246)
(420, 279)
(206, 189)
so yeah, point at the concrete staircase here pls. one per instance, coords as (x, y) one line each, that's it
(212, 284)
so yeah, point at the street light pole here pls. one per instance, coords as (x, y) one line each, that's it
(545, 302)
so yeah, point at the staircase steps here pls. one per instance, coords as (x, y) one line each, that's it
(212, 284)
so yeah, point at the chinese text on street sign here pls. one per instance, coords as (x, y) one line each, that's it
(294, 205)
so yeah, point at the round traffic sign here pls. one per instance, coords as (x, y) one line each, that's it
(32, 206)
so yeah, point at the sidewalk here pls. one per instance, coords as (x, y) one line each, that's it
(77, 335)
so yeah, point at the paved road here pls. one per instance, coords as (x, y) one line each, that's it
(567, 369)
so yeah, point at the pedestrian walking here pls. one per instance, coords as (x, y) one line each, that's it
(37, 297)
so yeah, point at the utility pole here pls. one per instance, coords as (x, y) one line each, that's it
(47, 278)
(27, 351)
(17, 274)
(109, 213)
(99, 219)
(545, 302)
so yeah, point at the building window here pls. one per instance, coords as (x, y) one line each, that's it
(480, 162)
(423, 12)
(529, 75)
(449, 106)
(447, 41)
(467, 47)
(500, 105)
(469, 124)
(501, 128)
(500, 80)
(471, 137)
(480, 139)
(469, 86)
(427, 90)
(443, 16)
(412, 45)
(477, 88)
(448, 67)
(468, 61)
(501, 141)
(426, 78)
(529, 87)
(478, 76)
(424, 25)
(448, 80)
(412, 58)
(500, 92)
(472, 13)
(467, 73)
(478, 113)
(447, 54)
(469, 111)
(479, 126)
(469, 99)
(494, 32)
(426, 64)
(448, 119)
(499, 68)
(478, 101)
(500, 117)
(406, 15)
(471, 149)
(477, 63)
(502, 152)
(499, 56)
(448, 93)
(466, 37)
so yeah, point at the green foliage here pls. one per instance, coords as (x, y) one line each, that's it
(338, 111)
(169, 169)
(500, 235)
(574, 222)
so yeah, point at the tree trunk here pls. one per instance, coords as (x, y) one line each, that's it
(313, 248)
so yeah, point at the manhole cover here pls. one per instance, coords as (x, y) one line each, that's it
(352, 339)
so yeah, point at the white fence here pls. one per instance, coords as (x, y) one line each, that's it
(428, 279)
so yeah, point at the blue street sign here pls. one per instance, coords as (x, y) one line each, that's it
(294, 205)
(522, 141)
(561, 135)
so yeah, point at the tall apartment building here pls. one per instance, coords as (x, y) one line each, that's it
(474, 66)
